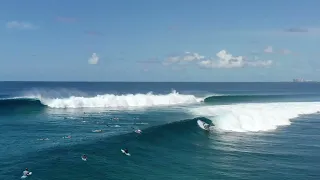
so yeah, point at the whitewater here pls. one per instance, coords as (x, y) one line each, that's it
(238, 117)
(255, 117)
(119, 101)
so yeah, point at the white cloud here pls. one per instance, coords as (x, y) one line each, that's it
(192, 56)
(94, 59)
(268, 49)
(186, 57)
(20, 25)
(227, 60)
(223, 60)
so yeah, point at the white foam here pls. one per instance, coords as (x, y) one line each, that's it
(121, 101)
(255, 116)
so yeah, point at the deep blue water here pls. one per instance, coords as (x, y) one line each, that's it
(262, 130)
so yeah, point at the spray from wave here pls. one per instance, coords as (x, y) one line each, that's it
(256, 116)
(109, 100)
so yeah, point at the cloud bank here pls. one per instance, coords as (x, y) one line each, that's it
(223, 59)
(184, 58)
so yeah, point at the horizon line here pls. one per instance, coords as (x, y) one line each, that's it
(158, 81)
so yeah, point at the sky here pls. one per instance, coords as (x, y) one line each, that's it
(164, 40)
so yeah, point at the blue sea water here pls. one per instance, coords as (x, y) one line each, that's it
(261, 130)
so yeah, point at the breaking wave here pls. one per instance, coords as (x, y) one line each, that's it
(104, 101)
(227, 99)
(20, 102)
(255, 116)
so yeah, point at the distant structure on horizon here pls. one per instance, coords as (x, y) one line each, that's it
(302, 80)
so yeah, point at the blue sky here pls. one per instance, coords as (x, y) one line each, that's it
(149, 40)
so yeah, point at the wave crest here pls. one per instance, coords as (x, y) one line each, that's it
(121, 101)
(232, 99)
(222, 99)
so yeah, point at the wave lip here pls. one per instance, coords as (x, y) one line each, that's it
(258, 98)
(17, 102)
(256, 116)
(239, 98)
(121, 101)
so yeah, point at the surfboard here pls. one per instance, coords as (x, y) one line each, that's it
(23, 177)
(138, 131)
(128, 154)
(84, 159)
(202, 125)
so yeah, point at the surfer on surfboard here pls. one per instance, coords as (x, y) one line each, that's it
(138, 131)
(84, 157)
(204, 125)
(125, 151)
(26, 173)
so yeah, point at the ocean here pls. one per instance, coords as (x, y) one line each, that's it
(261, 130)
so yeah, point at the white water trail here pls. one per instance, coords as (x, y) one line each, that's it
(255, 117)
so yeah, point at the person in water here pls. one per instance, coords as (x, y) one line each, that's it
(84, 156)
(137, 130)
(26, 172)
(126, 150)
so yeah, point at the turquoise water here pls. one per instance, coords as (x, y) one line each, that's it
(262, 130)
